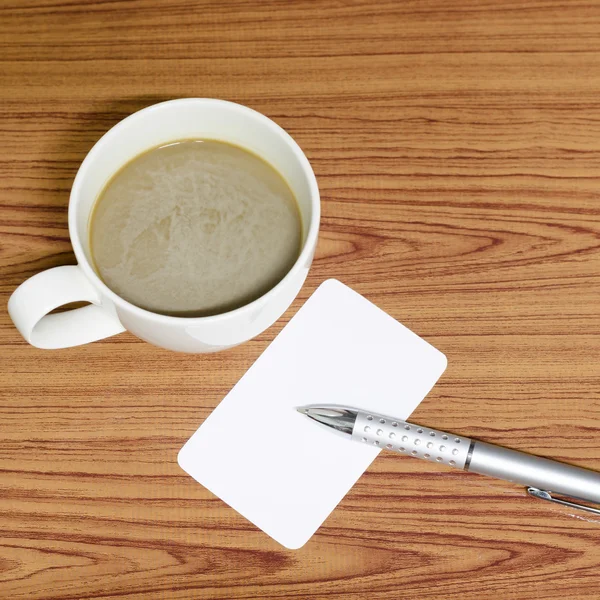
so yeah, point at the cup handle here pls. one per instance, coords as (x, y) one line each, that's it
(31, 302)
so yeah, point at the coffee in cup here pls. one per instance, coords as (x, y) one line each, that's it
(195, 228)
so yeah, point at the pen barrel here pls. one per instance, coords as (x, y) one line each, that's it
(412, 440)
(534, 471)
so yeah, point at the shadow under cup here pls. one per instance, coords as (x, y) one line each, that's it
(197, 118)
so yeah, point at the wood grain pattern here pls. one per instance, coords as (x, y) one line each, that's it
(457, 147)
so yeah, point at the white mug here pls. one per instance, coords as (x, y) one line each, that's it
(108, 313)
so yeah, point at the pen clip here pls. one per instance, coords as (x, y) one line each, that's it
(544, 495)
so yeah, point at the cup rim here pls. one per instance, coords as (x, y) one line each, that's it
(304, 256)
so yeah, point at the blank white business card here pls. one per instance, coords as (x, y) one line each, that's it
(277, 468)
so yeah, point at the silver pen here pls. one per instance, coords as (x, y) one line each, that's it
(543, 477)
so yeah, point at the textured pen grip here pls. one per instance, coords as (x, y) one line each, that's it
(414, 440)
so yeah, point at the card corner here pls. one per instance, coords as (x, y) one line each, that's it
(444, 362)
(294, 544)
(182, 457)
(331, 282)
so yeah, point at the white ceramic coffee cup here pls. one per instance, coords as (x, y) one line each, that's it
(108, 313)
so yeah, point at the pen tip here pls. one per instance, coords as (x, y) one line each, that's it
(302, 409)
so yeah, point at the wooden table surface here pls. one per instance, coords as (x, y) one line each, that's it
(457, 148)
